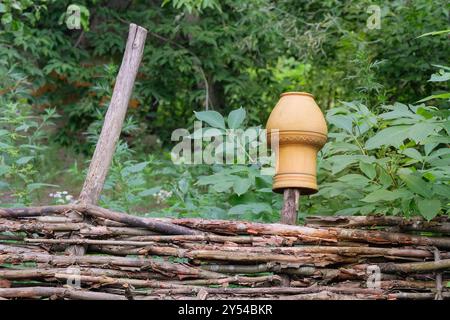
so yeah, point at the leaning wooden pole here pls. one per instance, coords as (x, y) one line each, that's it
(112, 127)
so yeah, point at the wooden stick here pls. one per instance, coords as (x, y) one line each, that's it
(45, 292)
(439, 224)
(112, 126)
(33, 211)
(417, 295)
(290, 206)
(167, 268)
(44, 273)
(416, 266)
(134, 221)
(270, 291)
(171, 284)
(85, 229)
(437, 257)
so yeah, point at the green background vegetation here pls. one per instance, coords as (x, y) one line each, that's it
(384, 93)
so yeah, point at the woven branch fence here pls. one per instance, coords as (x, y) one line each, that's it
(131, 257)
(83, 251)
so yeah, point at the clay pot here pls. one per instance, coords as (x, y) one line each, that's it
(301, 130)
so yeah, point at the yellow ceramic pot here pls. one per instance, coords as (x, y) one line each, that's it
(299, 126)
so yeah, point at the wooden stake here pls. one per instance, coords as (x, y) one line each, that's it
(112, 127)
(290, 206)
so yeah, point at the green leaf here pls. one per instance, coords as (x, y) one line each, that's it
(368, 169)
(236, 118)
(441, 190)
(420, 131)
(206, 180)
(398, 110)
(183, 185)
(24, 160)
(413, 154)
(3, 185)
(135, 181)
(7, 18)
(34, 186)
(213, 118)
(341, 122)
(241, 185)
(434, 33)
(149, 192)
(4, 169)
(222, 187)
(385, 178)
(440, 77)
(436, 96)
(347, 211)
(392, 136)
(429, 208)
(340, 162)
(135, 168)
(356, 180)
(381, 195)
(417, 185)
(254, 208)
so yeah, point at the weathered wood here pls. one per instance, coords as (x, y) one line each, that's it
(151, 224)
(417, 295)
(46, 292)
(175, 270)
(33, 211)
(416, 266)
(84, 229)
(262, 259)
(290, 206)
(439, 224)
(172, 284)
(49, 273)
(302, 233)
(437, 257)
(311, 234)
(112, 127)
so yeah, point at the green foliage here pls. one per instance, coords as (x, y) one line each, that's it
(230, 190)
(229, 61)
(22, 141)
(206, 54)
(396, 162)
(193, 5)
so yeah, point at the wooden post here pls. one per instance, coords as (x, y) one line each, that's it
(112, 126)
(291, 197)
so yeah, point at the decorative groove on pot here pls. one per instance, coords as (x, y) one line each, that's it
(297, 137)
